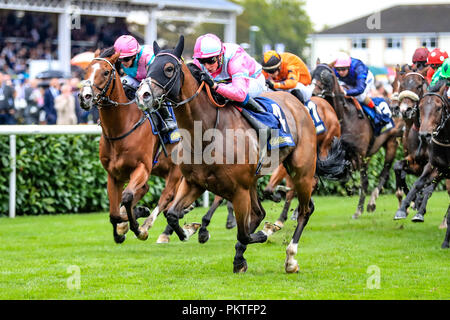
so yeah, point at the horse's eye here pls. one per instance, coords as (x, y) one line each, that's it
(106, 73)
(169, 70)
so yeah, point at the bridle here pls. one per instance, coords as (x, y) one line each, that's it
(412, 95)
(102, 99)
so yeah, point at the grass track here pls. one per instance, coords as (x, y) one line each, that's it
(335, 253)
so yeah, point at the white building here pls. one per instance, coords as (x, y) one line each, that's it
(388, 37)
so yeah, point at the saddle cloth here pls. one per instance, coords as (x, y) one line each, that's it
(382, 120)
(168, 137)
(275, 118)
(318, 123)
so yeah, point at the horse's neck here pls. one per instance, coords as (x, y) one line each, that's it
(117, 119)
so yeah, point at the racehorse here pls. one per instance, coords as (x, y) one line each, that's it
(434, 130)
(412, 87)
(328, 147)
(170, 79)
(357, 136)
(127, 148)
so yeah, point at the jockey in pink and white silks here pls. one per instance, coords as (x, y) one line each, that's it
(232, 73)
(135, 60)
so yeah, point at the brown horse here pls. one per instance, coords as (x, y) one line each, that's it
(357, 133)
(170, 79)
(127, 148)
(434, 130)
(328, 145)
(412, 87)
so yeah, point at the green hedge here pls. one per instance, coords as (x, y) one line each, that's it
(62, 174)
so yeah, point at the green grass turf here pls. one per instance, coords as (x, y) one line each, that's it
(336, 256)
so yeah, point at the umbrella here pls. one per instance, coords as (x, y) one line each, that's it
(83, 59)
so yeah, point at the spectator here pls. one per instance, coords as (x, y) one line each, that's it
(65, 106)
(35, 100)
(49, 101)
(7, 109)
(75, 84)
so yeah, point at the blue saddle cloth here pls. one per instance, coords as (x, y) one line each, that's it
(274, 118)
(168, 137)
(380, 122)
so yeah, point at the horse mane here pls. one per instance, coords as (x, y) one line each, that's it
(197, 74)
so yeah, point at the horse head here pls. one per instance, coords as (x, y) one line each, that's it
(323, 81)
(164, 77)
(98, 84)
(434, 112)
(412, 86)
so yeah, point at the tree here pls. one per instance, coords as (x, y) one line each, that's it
(280, 21)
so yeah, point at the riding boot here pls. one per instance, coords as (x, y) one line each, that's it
(169, 123)
(299, 95)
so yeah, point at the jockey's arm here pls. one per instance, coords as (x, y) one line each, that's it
(238, 88)
(361, 76)
(290, 82)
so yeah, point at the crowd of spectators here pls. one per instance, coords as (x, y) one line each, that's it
(27, 36)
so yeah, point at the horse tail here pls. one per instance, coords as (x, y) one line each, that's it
(335, 166)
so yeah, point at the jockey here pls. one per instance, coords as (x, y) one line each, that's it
(135, 60)
(419, 58)
(355, 75)
(435, 60)
(232, 73)
(441, 76)
(287, 72)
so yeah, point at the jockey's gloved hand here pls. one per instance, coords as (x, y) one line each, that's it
(208, 80)
(270, 84)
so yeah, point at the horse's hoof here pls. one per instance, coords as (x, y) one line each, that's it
(270, 228)
(240, 268)
(143, 234)
(371, 207)
(276, 197)
(188, 209)
(231, 224)
(294, 215)
(203, 236)
(400, 214)
(292, 267)
(356, 215)
(278, 225)
(418, 218)
(163, 238)
(122, 228)
(445, 245)
(443, 225)
(119, 239)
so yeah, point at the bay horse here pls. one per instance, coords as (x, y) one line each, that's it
(127, 149)
(169, 79)
(357, 136)
(434, 130)
(330, 157)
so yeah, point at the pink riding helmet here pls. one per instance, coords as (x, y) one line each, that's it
(206, 46)
(343, 60)
(127, 46)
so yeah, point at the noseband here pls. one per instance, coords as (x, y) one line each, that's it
(444, 119)
(102, 99)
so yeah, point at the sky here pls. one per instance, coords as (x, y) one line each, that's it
(332, 12)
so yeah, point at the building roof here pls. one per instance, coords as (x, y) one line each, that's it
(217, 5)
(399, 19)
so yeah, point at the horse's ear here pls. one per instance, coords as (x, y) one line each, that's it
(331, 65)
(317, 61)
(156, 48)
(397, 68)
(442, 88)
(424, 71)
(114, 57)
(96, 53)
(180, 47)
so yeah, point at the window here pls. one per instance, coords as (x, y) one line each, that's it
(393, 43)
(430, 42)
(360, 43)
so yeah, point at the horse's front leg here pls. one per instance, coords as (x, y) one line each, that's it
(362, 189)
(391, 149)
(114, 190)
(203, 234)
(187, 193)
(132, 194)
